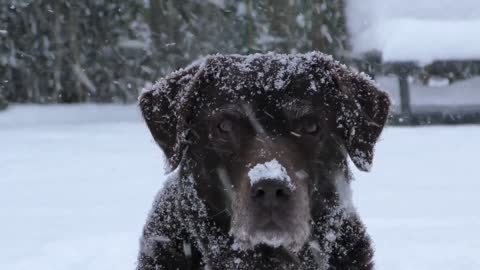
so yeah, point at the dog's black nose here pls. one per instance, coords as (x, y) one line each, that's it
(270, 190)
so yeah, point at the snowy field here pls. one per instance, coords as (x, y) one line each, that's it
(76, 184)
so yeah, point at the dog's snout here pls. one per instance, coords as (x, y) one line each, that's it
(270, 190)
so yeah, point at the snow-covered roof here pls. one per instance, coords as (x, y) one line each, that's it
(423, 41)
(423, 31)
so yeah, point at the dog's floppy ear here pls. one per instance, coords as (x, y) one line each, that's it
(361, 110)
(159, 106)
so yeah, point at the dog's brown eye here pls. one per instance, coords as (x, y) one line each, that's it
(310, 126)
(225, 126)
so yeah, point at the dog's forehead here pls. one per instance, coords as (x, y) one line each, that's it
(279, 85)
(270, 76)
(291, 107)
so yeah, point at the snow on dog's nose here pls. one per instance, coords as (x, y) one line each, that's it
(272, 171)
(270, 184)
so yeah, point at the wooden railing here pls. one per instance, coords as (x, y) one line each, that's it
(424, 115)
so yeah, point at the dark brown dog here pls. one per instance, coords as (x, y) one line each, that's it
(258, 146)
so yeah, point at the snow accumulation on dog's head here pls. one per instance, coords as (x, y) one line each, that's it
(276, 73)
(271, 170)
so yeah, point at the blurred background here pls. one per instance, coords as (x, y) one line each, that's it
(425, 54)
(78, 167)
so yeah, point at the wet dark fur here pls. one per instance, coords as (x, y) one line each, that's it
(184, 117)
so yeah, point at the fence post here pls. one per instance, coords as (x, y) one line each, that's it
(402, 70)
(405, 103)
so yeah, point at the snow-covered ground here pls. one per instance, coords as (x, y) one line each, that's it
(421, 200)
(76, 184)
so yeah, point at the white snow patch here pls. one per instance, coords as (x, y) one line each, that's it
(271, 170)
(300, 20)
(241, 9)
(275, 241)
(331, 237)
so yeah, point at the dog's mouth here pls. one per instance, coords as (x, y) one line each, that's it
(271, 220)
(270, 235)
(271, 225)
(270, 232)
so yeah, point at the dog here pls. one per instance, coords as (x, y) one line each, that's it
(257, 149)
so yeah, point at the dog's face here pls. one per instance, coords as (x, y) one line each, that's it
(266, 161)
(261, 159)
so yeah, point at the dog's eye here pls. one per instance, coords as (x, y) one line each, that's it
(225, 126)
(310, 126)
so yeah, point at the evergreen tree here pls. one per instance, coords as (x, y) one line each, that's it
(70, 51)
(95, 50)
(184, 30)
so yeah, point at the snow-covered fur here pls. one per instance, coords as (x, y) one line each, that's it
(182, 233)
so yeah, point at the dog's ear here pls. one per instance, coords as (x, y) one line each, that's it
(160, 111)
(361, 110)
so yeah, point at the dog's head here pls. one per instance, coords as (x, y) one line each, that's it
(270, 136)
